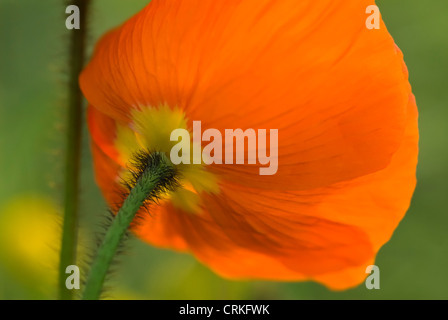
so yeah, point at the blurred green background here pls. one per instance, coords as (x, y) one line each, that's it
(33, 77)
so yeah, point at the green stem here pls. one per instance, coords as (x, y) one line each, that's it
(73, 150)
(157, 174)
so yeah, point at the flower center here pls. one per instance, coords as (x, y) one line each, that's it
(151, 130)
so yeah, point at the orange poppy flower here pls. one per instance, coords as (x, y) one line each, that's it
(337, 92)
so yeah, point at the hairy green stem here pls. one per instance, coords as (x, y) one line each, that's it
(157, 174)
(73, 150)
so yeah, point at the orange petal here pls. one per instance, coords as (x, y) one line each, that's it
(337, 92)
(334, 89)
(106, 176)
(328, 234)
(103, 131)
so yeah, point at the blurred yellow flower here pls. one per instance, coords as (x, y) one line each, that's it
(30, 235)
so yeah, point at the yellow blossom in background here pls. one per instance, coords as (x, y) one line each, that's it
(30, 235)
